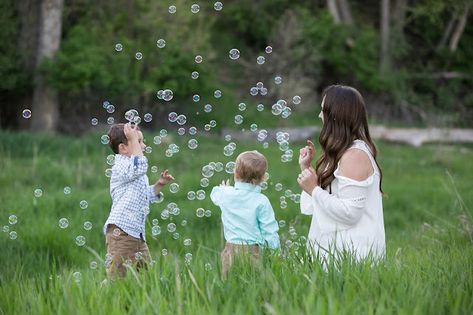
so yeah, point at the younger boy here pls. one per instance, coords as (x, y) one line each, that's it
(247, 216)
(131, 195)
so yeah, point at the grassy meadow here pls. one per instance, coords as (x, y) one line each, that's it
(428, 219)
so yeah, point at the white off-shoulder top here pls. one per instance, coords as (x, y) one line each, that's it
(350, 219)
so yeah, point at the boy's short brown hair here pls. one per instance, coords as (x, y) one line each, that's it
(251, 167)
(117, 136)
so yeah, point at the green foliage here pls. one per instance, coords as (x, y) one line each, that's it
(429, 251)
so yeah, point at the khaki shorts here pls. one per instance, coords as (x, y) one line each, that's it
(123, 249)
(249, 252)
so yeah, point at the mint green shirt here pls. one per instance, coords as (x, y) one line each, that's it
(247, 215)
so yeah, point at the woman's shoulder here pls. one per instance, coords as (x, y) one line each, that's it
(355, 164)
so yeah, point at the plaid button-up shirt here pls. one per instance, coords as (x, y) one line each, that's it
(131, 195)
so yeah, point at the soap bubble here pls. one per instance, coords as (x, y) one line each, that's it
(238, 119)
(26, 113)
(138, 56)
(296, 99)
(176, 235)
(67, 190)
(6, 228)
(163, 133)
(268, 49)
(207, 108)
(110, 120)
(254, 91)
(200, 194)
(278, 187)
(283, 204)
(228, 137)
(192, 144)
(164, 252)
(110, 109)
(196, 98)
(174, 188)
(208, 213)
(156, 230)
(93, 264)
(254, 127)
(230, 167)
(192, 131)
(191, 195)
(207, 127)
(260, 60)
(198, 59)
(276, 109)
(259, 85)
(87, 225)
(38, 192)
(228, 151)
(165, 214)
(172, 116)
(219, 166)
(208, 266)
(264, 91)
(172, 9)
(195, 8)
(184, 222)
(242, 106)
(13, 235)
(217, 94)
(181, 131)
(80, 240)
(218, 6)
(171, 227)
(83, 204)
(155, 222)
(234, 54)
(195, 75)
(187, 242)
(118, 47)
(110, 159)
(188, 257)
(277, 80)
(104, 139)
(207, 171)
(287, 111)
(168, 95)
(154, 169)
(12, 219)
(200, 212)
(94, 121)
(147, 117)
(181, 119)
(161, 43)
(108, 172)
(260, 107)
(137, 120)
(204, 182)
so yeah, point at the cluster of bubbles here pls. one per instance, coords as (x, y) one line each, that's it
(200, 213)
(281, 108)
(283, 140)
(166, 95)
(173, 117)
(171, 150)
(132, 116)
(12, 220)
(258, 88)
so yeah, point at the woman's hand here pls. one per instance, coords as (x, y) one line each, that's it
(307, 180)
(306, 155)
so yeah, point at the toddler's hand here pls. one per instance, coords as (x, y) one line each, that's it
(165, 178)
(225, 183)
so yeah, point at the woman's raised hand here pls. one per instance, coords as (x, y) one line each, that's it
(306, 155)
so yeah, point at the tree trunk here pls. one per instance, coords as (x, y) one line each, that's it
(333, 9)
(448, 31)
(384, 55)
(460, 28)
(345, 12)
(45, 109)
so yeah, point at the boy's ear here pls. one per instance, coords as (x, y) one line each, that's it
(122, 148)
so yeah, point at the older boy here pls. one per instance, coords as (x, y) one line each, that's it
(131, 195)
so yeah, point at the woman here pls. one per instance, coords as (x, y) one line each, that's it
(343, 193)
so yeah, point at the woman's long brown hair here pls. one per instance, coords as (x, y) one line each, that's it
(345, 120)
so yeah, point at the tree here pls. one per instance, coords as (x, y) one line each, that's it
(385, 26)
(45, 99)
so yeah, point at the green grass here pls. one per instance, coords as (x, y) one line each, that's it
(429, 265)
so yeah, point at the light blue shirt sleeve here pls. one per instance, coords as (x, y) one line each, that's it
(216, 195)
(268, 225)
(137, 166)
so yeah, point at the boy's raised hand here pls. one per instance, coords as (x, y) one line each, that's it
(165, 178)
(131, 132)
(225, 183)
